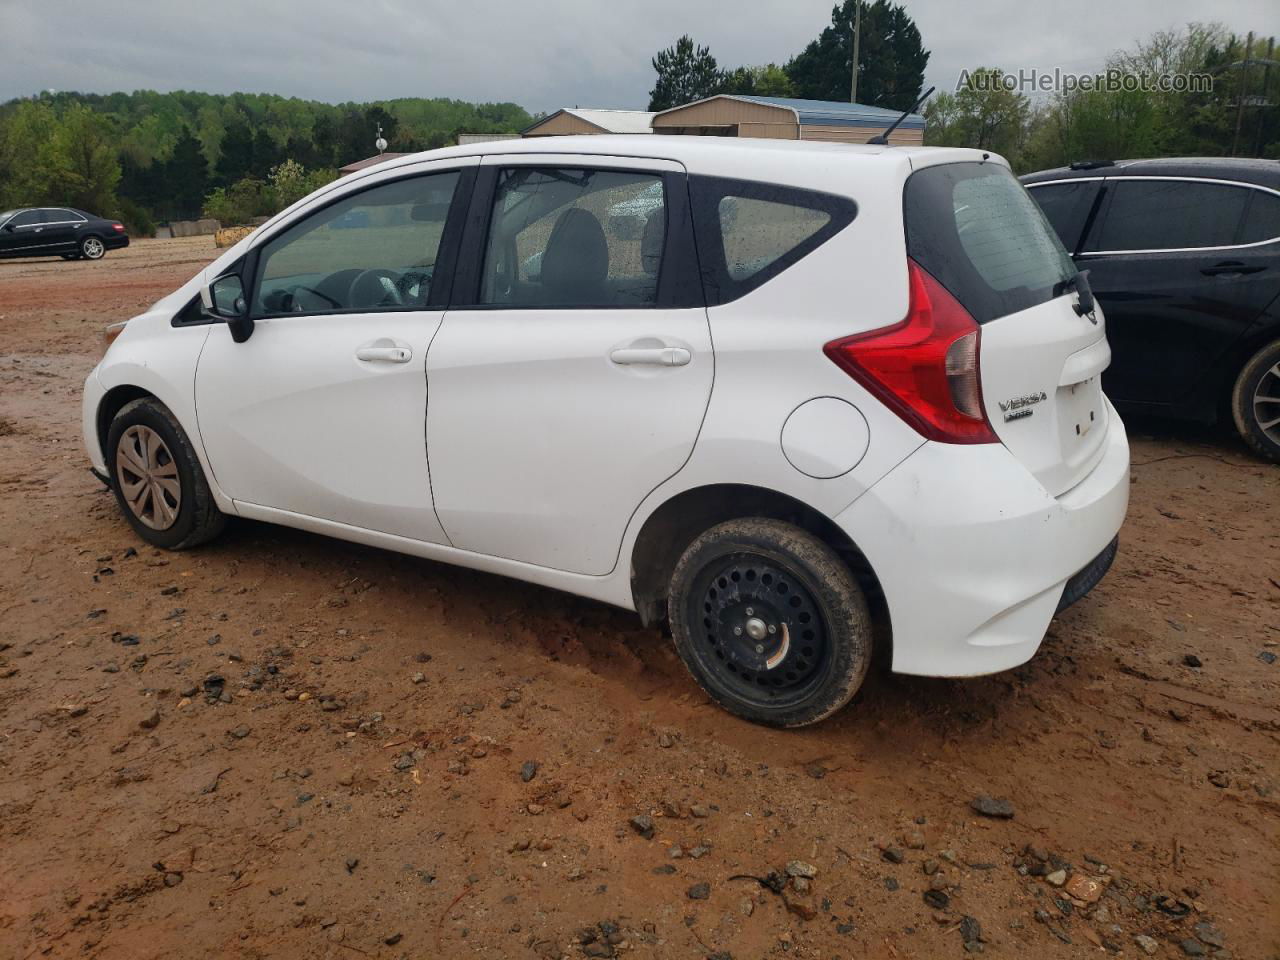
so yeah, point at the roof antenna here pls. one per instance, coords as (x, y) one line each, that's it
(883, 139)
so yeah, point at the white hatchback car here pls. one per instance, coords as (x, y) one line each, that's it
(823, 387)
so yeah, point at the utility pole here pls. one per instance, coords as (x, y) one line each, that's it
(857, 35)
(1266, 89)
(1244, 86)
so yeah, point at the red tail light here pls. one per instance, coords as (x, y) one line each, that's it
(925, 369)
(118, 227)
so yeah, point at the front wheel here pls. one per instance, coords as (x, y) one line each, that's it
(157, 479)
(1255, 402)
(770, 622)
(92, 248)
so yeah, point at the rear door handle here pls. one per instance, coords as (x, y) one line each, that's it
(384, 354)
(656, 356)
(1230, 268)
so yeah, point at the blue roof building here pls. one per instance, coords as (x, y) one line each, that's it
(734, 115)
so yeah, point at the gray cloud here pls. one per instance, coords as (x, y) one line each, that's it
(543, 55)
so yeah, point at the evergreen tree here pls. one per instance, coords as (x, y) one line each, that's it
(186, 178)
(235, 156)
(685, 73)
(892, 58)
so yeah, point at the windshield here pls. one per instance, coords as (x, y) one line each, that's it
(6, 215)
(975, 228)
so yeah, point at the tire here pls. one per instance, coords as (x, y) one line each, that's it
(145, 438)
(1257, 417)
(92, 248)
(791, 581)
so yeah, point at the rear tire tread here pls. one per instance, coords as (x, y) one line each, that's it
(836, 589)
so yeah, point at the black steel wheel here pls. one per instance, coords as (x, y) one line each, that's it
(770, 622)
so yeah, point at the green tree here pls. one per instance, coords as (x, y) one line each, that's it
(239, 203)
(892, 58)
(984, 113)
(290, 182)
(685, 73)
(235, 152)
(83, 166)
(186, 176)
(769, 80)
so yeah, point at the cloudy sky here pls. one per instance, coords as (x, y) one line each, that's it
(542, 54)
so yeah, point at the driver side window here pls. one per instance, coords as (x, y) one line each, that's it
(371, 251)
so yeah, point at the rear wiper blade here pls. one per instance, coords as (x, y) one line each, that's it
(1079, 282)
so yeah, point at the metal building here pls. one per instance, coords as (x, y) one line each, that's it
(780, 118)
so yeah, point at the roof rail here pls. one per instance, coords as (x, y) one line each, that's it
(1091, 164)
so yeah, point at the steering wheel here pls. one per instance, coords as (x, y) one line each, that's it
(375, 288)
(297, 305)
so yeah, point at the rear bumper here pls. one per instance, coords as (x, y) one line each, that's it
(974, 556)
(115, 241)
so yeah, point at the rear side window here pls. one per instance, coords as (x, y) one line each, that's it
(1067, 206)
(1169, 215)
(749, 232)
(977, 231)
(575, 238)
(1262, 218)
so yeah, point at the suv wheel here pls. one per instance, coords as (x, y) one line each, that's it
(770, 622)
(158, 482)
(92, 248)
(1255, 402)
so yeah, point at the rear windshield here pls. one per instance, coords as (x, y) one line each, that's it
(977, 231)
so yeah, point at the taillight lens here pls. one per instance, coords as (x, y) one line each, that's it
(118, 227)
(924, 369)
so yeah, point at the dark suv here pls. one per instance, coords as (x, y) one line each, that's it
(1184, 256)
(58, 231)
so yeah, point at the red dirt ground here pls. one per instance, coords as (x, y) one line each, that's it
(334, 807)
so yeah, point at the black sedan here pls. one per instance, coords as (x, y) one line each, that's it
(58, 231)
(1184, 256)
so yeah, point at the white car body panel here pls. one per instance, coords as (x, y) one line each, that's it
(541, 446)
(972, 545)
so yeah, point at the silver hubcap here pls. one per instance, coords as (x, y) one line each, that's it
(1266, 403)
(93, 248)
(148, 477)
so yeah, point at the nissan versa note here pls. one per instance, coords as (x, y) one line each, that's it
(769, 393)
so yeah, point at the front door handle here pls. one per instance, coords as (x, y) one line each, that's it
(656, 356)
(382, 352)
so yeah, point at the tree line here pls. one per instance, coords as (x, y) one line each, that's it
(147, 156)
(1236, 116)
(891, 64)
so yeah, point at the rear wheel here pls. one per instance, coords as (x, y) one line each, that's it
(1255, 402)
(92, 248)
(157, 479)
(770, 622)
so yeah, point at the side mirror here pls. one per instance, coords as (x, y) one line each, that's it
(227, 300)
(8, 228)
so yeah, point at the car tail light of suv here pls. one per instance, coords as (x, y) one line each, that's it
(925, 369)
